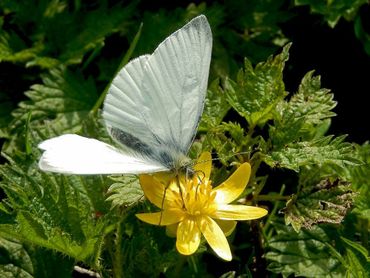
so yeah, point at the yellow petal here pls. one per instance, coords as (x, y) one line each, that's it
(188, 237)
(153, 189)
(203, 167)
(239, 212)
(231, 189)
(163, 218)
(227, 226)
(156, 192)
(215, 237)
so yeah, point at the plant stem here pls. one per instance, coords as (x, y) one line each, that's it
(118, 259)
(271, 198)
(273, 212)
(259, 265)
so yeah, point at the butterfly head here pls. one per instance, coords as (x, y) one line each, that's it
(183, 166)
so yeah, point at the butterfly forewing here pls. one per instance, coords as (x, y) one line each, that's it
(152, 109)
(176, 76)
(154, 104)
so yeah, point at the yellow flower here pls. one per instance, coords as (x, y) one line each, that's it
(191, 207)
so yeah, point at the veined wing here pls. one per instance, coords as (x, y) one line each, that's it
(155, 102)
(175, 83)
(123, 108)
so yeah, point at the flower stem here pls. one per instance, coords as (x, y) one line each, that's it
(273, 212)
(271, 198)
(118, 256)
(259, 268)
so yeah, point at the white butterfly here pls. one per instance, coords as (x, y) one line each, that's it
(152, 110)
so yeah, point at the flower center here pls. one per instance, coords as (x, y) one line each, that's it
(196, 198)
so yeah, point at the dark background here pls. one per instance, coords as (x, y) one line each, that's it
(338, 56)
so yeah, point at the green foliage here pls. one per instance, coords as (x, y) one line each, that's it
(215, 107)
(325, 202)
(321, 151)
(257, 90)
(47, 48)
(15, 261)
(361, 34)
(319, 252)
(360, 182)
(69, 52)
(125, 192)
(333, 10)
(51, 211)
(304, 114)
(63, 96)
(307, 253)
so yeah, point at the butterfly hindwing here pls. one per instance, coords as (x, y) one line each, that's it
(74, 154)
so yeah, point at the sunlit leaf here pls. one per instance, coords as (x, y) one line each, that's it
(326, 150)
(125, 192)
(325, 202)
(304, 254)
(303, 115)
(258, 90)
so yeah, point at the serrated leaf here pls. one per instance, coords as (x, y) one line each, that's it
(21, 260)
(333, 10)
(258, 90)
(14, 260)
(14, 49)
(360, 181)
(327, 150)
(304, 254)
(63, 93)
(227, 139)
(215, 107)
(126, 192)
(47, 47)
(325, 202)
(304, 114)
(357, 259)
(61, 213)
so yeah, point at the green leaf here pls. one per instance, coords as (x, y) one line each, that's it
(14, 260)
(327, 150)
(360, 181)
(302, 116)
(307, 253)
(5, 109)
(46, 45)
(62, 213)
(63, 96)
(361, 33)
(125, 192)
(227, 139)
(258, 90)
(215, 107)
(325, 202)
(357, 259)
(14, 49)
(20, 260)
(333, 10)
